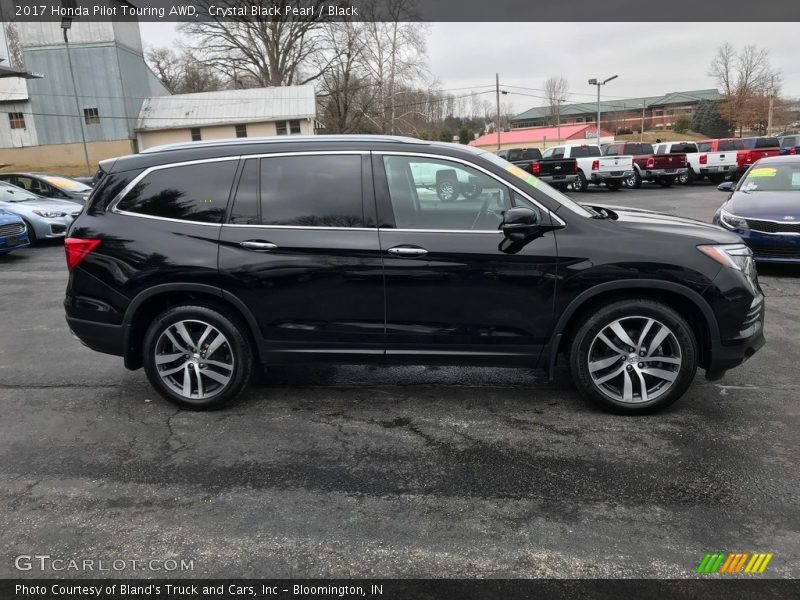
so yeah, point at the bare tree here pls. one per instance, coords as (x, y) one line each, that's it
(748, 81)
(556, 90)
(272, 51)
(182, 73)
(14, 46)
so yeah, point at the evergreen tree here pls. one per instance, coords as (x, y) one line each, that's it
(708, 121)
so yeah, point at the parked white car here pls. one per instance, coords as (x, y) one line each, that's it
(701, 163)
(593, 167)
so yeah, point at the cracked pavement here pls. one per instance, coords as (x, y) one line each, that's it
(392, 472)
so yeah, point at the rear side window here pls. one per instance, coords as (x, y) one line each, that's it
(196, 192)
(312, 191)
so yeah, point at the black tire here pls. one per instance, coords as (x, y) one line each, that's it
(666, 181)
(447, 190)
(580, 184)
(634, 181)
(31, 234)
(634, 310)
(690, 176)
(613, 185)
(236, 349)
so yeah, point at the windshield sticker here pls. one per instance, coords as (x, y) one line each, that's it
(63, 183)
(795, 179)
(526, 177)
(763, 172)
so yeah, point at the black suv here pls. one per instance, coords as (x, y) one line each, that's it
(202, 261)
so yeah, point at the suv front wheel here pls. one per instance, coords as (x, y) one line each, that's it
(197, 357)
(633, 356)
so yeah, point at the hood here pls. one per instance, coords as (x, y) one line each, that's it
(648, 220)
(773, 206)
(28, 206)
(8, 217)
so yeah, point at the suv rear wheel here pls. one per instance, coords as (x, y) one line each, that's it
(633, 356)
(197, 357)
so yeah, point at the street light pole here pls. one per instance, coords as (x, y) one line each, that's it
(598, 83)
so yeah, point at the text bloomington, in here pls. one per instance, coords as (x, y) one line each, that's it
(192, 590)
(252, 10)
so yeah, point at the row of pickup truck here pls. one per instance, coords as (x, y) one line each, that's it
(629, 164)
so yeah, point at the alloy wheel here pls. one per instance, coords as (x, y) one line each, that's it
(635, 359)
(194, 359)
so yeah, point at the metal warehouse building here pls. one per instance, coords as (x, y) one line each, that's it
(289, 110)
(42, 127)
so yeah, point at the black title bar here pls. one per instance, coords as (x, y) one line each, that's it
(603, 11)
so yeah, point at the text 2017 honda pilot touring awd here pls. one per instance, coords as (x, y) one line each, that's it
(202, 261)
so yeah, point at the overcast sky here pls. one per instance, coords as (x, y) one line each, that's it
(650, 58)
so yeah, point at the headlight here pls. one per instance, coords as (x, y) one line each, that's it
(735, 256)
(49, 214)
(732, 220)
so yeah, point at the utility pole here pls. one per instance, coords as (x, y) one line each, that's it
(641, 130)
(497, 94)
(769, 116)
(66, 23)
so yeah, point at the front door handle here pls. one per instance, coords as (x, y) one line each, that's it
(407, 251)
(257, 245)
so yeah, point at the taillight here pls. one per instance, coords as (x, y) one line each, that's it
(535, 168)
(704, 159)
(77, 249)
(595, 165)
(651, 162)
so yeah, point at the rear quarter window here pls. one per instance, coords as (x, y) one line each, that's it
(767, 143)
(197, 192)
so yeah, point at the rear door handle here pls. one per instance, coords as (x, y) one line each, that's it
(257, 245)
(407, 251)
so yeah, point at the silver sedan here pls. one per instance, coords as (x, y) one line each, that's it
(46, 218)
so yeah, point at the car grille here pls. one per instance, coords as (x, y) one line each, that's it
(11, 229)
(772, 226)
(776, 251)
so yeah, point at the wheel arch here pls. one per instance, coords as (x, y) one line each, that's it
(149, 303)
(688, 303)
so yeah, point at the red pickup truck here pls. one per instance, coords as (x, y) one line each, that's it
(748, 150)
(647, 165)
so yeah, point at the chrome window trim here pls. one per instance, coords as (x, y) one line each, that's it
(313, 227)
(121, 195)
(557, 220)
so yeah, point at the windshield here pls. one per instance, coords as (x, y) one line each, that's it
(11, 193)
(775, 177)
(551, 193)
(66, 184)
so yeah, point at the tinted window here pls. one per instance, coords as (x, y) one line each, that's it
(704, 147)
(524, 154)
(767, 142)
(683, 149)
(428, 193)
(245, 203)
(728, 145)
(584, 151)
(312, 191)
(190, 192)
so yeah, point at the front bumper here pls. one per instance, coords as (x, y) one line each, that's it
(51, 228)
(16, 242)
(769, 247)
(733, 352)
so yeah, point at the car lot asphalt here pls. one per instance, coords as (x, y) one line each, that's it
(392, 472)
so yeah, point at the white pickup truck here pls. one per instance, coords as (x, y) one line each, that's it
(713, 165)
(593, 167)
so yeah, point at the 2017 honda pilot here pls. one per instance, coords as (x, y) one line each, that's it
(202, 261)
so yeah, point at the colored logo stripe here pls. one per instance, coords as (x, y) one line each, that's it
(722, 562)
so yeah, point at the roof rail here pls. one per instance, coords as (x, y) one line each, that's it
(284, 139)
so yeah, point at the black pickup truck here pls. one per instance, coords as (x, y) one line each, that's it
(558, 172)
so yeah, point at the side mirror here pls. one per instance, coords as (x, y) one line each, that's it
(726, 186)
(520, 223)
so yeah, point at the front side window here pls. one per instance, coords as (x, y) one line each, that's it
(16, 120)
(428, 193)
(312, 191)
(197, 192)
